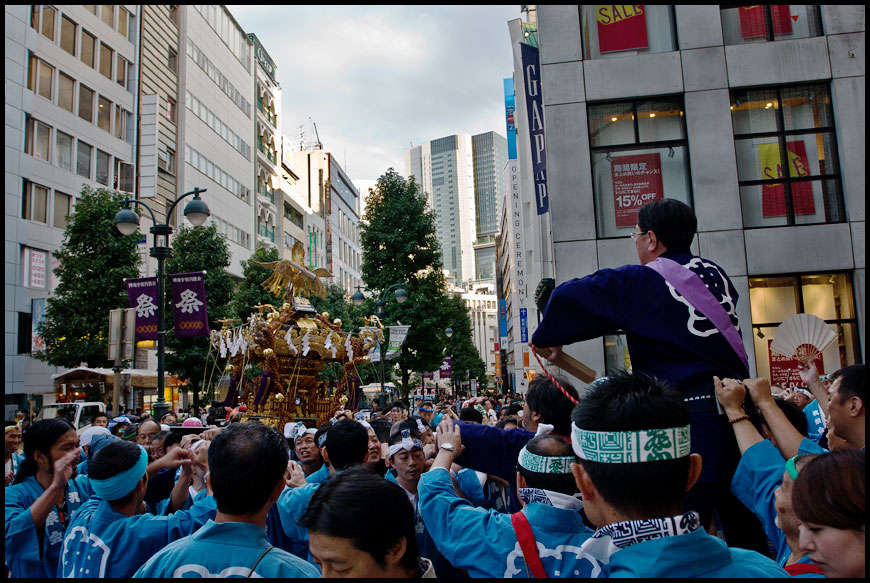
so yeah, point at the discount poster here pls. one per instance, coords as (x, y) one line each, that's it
(780, 366)
(773, 196)
(621, 27)
(637, 180)
(752, 20)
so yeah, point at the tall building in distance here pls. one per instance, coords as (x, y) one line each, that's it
(490, 156)
(461, 176)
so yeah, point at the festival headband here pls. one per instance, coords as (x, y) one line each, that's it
(364, 423)
(321, 441)
(628, 447)
(803, 392)
(791, 468)
(16, 427)
(121, 484)
(422, 427)
(407, 443)
(544, 464)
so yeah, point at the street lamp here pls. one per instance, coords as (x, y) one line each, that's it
(127, 221)
(358, 298)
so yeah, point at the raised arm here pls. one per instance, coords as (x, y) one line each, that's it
(788, 439)
(731, 395)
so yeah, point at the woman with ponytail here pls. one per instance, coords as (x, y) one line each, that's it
(43, 498)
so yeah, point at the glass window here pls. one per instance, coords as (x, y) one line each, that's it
(120, 123)
(48, 16)
(124, 22)
(104, 114)
(89, 45)
(106, 56)
(86, 103)
(107, 13)
(786, 128)
(617, 30)
(124, 176)
(68, 30)
(32, 70)
(765, 22)
(827, 296)
(35, 202)
(172, 59)
(66, 88)
(121, 71)
(104, 162)
(37, 139)
(64, 151)
(170, 110)
(46, 75)
(35, 14)
(62, 209)
(83, 160)
(639, 153)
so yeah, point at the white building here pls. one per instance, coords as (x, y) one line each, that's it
(71, 81)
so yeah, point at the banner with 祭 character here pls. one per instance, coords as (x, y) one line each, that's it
(142, 292)
(188, 303)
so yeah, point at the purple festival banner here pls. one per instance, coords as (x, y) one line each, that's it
(142, 292)
(188, 304)
(447, 368)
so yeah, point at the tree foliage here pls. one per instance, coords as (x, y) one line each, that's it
(460, 345)
(198, 249)
(400, 246)
(94, 260)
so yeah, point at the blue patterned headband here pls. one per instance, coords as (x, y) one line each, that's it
(121, 484)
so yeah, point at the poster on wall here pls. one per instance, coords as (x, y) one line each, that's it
(773, 196)
(621, 27)
(752, 20)
(780, 366)
(637, 180)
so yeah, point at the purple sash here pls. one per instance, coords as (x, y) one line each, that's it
(689, 285)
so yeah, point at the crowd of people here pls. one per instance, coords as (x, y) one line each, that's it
(683, 467)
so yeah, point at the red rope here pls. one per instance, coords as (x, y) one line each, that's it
(555, 382)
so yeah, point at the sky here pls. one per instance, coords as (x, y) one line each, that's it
(376, 79)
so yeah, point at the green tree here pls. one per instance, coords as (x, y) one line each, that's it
(399, 245)
(94, 260)
(250, 292)
(461, 345)
(198, 249)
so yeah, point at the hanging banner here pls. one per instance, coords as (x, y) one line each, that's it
(509, 107)
(397, 336)
(781, 365)
(142, 293)
(524, 325)
(446, 369)
(37, 315)
(773, 195)
(188, 302)
(535, 112)
(502, 319)
(637, 180)
(753, 25)
(621, 27)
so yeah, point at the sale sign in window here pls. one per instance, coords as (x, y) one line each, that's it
(621, 27)
(637, 180)
(753, 25)
(773, 195)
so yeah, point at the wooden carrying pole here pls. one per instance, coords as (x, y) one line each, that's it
(570, 365)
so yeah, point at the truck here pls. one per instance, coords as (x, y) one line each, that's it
(80, 413)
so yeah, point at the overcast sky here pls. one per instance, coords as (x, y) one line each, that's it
(376, 79)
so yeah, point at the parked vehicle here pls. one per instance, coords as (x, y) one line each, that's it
(80, 413)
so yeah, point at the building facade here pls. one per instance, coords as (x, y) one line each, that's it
(489, 155)
(753, 116)
(268, 165)
(71, 105)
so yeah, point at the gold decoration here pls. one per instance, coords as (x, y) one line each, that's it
(289, 277)
(268, 352)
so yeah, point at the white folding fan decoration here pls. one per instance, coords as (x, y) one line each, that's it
(802, 337)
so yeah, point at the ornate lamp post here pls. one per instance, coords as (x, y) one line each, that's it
(358, 298)
(127, 221)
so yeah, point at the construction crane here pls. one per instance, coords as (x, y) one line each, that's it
(317, 144)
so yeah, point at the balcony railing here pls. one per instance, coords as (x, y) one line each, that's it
(265, 232)
(265, 193)
(271, 117)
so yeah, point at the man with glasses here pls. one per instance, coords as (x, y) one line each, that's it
(679, 314)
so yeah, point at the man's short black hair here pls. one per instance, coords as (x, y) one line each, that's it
(396, 434)
(470, 414)
(245, 462)
(852, 379)
(101, 414)
(673, 222)
(636, 402)
(174, 438)
(347, 443)
(792, 412)
(114, 458)
(366, 509)
(381, 427)
(545, 399)
(550, 446)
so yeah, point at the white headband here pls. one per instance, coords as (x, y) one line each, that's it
(407, 444)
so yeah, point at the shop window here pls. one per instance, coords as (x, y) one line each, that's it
(828, 296)
(639, 153)
(620, 30)
(766, 22)
(793, 128)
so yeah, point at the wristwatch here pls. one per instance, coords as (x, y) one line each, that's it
(449, 447)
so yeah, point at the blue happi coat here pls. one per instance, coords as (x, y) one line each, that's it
(102, 542)
(815, 420)
(758, 475)
(690, 555)
(666, 338)
(484, 543)
(32, 552)
(225, 549)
